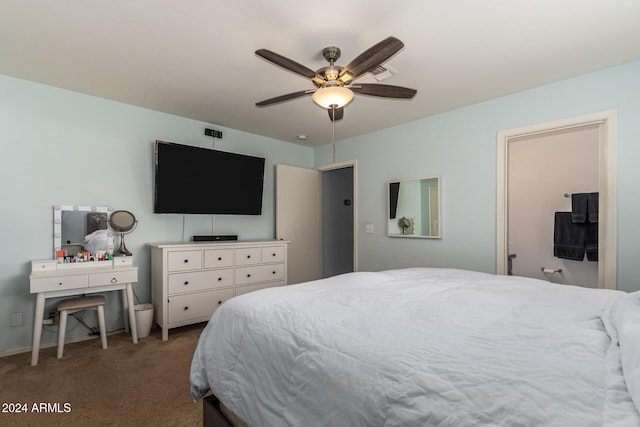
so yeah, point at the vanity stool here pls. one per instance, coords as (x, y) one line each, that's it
(70, 306)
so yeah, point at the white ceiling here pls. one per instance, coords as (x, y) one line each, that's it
(195, 58)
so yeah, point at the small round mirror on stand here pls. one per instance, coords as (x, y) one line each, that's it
(123, 222)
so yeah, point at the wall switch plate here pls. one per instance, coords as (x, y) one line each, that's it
(16, 319)
(368, 228)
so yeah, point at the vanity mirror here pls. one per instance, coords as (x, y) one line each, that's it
(414, 208)
(124, 222)
(82, 230)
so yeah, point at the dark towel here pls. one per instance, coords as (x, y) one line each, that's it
(591, 240)
(592, 207)
(568, 237)
(579, 207)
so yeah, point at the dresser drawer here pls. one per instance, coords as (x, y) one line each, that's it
(45, 284)
(46, 265)
(111, 278)
(199, 280)
(240, 290)
(273, 254)
(119, 261)
(184, 260)
(259, 273)
(184, 308)
(248, 256)
(217, 258)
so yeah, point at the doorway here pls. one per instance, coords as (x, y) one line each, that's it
(300, 194)
(544, 171)
(605, 125)
(337, 221)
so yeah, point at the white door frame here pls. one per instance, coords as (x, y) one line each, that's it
(608, 160)
(353, 164)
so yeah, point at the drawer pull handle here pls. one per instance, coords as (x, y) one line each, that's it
(248, 275)
(273, 254)
(219, 258)
(60, 284)
(186, 261)
(219, 279)
(248, 256)
(114, 280)
(219, 302)
(273, 272)
(186, 308)
(186, 282)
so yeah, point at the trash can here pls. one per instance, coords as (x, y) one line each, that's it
(144, 319)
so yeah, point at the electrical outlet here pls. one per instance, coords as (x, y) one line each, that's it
(16, 319)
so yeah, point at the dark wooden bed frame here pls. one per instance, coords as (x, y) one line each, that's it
(212, 415)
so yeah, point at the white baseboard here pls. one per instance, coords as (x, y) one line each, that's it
(55, 344)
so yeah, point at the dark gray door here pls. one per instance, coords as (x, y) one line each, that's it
(337, 221)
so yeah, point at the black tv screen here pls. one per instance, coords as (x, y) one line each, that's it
(193, 180)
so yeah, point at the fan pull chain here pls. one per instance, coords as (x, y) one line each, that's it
(333, 133)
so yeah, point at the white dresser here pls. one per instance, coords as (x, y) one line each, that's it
(190, 280)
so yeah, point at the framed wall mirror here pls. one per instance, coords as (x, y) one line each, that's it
(414, 208)
(78, 229)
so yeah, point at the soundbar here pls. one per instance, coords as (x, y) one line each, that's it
(215, 238)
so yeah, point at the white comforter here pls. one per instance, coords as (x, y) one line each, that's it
(422, 347)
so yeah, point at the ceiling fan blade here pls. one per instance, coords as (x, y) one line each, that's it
(283, 98)
(287, 63)
(370, 58)
(385, 91)
(336, 114)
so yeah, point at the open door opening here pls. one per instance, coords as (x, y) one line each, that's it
(300, 197)
(606, 124)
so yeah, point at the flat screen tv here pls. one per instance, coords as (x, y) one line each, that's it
(194, 180)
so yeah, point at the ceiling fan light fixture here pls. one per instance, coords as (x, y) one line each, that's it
(329, 96)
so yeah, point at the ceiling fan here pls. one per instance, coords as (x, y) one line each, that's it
(335, 85)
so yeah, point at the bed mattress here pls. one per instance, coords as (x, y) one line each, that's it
(424, 347)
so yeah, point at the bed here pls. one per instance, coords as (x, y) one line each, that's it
(423, 347)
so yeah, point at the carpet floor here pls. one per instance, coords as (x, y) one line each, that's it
(126, 384)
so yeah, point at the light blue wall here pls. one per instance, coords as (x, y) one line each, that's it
(460, 146)
(61, 147)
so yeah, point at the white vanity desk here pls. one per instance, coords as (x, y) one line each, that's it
(48, 282)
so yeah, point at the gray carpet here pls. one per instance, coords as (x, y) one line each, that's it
(126, 384)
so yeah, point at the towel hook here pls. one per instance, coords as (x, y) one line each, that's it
(550, 270)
